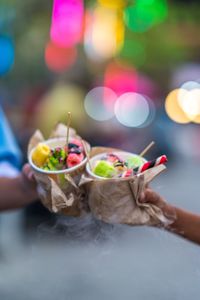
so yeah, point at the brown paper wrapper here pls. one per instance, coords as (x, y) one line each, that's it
(117, 200)
(60, 193)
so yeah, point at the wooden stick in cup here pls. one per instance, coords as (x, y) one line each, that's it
(87, 154)
(68, 126)
(147, 148)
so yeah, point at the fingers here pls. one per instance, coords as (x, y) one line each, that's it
(28, 184)
(28, 173)
(149, 196)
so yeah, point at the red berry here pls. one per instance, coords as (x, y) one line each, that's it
(74, 159)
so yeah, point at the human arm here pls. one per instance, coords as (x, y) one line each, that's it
(185, 223)
(17, 191)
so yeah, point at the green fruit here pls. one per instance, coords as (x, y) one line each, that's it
(46, 168)
(104, 169)
(63, 154)
(54, 161)
(134, 162)
(51, 166)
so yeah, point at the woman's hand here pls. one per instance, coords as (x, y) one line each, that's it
(184, 223)
(149, 196)
(28, 182)
(18, 191)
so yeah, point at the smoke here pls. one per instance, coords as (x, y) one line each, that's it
(80, 230)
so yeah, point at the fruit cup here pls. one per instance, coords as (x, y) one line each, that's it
(58, 189)
(116, 200)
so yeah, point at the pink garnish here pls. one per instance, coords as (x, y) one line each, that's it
(112, 157)
(128, 173)
(74, 159)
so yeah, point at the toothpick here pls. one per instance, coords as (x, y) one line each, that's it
(68, 126)
(147, 148)
(87, 154)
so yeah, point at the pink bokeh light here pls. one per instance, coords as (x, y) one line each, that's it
(67, 22)
(120, 78)
(59, 59)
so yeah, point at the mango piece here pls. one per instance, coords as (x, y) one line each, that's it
(40, 154)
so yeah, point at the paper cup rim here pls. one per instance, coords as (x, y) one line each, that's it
(103, 153)
(69, 170)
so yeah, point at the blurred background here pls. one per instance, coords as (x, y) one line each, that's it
(129, 72)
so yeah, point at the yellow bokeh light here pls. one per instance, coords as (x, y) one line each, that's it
(105, 35)
(174, 110)
(54, 106)
(189, 101)
(114, 4)
(108, 32)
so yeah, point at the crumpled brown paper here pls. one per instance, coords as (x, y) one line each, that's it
(117, 200)
(60, 193)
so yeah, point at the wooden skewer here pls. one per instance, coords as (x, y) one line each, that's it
(87, 154)
(68, 126)
(147, 148)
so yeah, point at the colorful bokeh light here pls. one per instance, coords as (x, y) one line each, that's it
(120, 78)
(7, 54)
(59, 59)
(67, 22)
(152, 112)
(132, 110)
(56, 102)
(189, 100)
(183, 105)
(99, 103)
(174, 110)
(113, 4)
(145, 13)
(190, 85)
(104, 33)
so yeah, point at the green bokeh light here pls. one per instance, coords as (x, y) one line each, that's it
(144, 14)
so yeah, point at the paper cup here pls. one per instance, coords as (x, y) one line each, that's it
(59, 190)
(122, 154)
(116, 200)
(53, 143)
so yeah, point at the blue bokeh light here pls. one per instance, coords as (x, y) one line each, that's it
(7, 54)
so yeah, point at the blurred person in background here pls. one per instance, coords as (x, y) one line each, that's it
(17, 189)
(184, 223)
